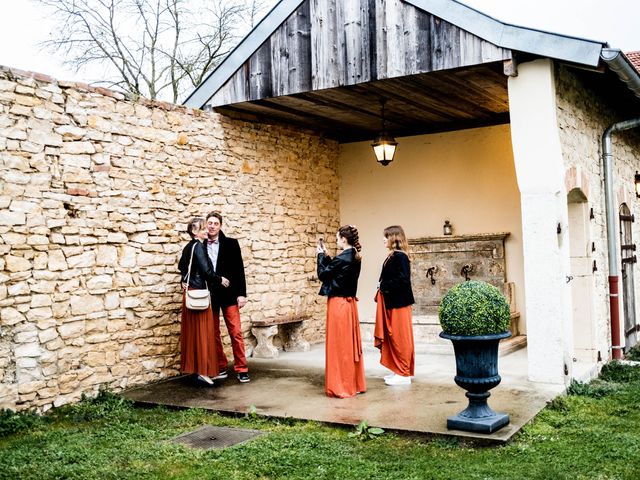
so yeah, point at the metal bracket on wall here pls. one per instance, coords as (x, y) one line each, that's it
(430, 273)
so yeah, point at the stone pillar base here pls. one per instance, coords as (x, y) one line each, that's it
(295, 341)
(264, 337)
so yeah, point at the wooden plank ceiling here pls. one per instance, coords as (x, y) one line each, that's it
(431, 102)
(331, 62)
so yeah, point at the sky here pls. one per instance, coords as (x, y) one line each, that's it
(23, 26)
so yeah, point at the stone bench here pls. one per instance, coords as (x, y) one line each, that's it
(264, 330)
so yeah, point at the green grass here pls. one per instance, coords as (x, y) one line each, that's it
(593, 433)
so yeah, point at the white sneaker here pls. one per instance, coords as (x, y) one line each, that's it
(391, 375)
(398, 380)
(205, 379)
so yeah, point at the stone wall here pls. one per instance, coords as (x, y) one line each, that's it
(95, 192)
(583, 116)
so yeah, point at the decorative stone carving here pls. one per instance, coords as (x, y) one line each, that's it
(438, 263)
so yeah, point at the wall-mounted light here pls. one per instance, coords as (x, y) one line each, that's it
(447, 228)
(384, 146)
(637, 184)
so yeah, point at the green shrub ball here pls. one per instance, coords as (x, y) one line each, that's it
(474, 308)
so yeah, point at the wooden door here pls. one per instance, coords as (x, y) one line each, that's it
(629, 259)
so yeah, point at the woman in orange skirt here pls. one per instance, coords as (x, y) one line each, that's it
(197, 340)
(394, 330)
(344, 363)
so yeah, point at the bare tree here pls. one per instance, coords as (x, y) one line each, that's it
(152, 48)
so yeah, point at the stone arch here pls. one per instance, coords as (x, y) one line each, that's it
(575, 178)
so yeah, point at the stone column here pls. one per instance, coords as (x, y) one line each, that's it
(540, 174)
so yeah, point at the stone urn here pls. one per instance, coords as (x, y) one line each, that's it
(477, 373)
(475, 316)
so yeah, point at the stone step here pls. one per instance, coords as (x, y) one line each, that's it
(426, 335)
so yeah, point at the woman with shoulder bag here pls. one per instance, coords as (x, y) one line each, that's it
(197, 340)
(393, 333)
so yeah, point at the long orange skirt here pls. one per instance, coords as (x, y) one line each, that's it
(197, 342)
(344, 363)
(393, 335)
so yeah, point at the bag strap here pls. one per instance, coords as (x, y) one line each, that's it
(189, 270)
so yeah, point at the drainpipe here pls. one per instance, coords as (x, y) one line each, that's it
(614, 306)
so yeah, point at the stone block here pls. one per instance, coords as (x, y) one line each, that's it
(107, 255)
(86, 259)
(30, 387)
(75, 147)
(85, 304)
(71, 329)
(39, 314)
(27, 350)
(100, 282)
(40, 300)
(16, 264)
(57, 261)
(20, 288)
(47, 335)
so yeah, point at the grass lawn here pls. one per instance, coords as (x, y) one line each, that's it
(593, 433)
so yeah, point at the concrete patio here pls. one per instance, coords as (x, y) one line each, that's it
(292, 386)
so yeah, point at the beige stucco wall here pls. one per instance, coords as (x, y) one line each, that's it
(95, 191)
(466, 176)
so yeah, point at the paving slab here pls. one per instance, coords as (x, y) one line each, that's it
(292, 385)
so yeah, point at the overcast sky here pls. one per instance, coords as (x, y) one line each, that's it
(23, 26)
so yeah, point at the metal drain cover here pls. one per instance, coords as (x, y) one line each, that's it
(209, 437)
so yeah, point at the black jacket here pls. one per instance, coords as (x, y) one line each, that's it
(395, 281)
(339, 276)
(201, 268)
(230, 266)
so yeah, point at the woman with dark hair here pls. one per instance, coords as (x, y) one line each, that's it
(393, 333)
(197, 340)
(344, 363)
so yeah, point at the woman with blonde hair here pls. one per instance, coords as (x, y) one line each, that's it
(344, 363)
(393, 333)
(197, 340)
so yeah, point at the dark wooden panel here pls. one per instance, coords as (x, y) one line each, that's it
(332, 43)
(260, 78)
(291, 54)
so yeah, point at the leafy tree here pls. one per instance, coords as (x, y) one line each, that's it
(151, 48)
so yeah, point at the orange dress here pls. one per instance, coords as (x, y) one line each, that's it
(197, 346)
(393, 335)
(344, 365)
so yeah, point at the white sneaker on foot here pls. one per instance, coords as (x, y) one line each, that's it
(205, 379)
(398, 380)
(391, 375)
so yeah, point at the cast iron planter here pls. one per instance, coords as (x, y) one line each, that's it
(477, 372)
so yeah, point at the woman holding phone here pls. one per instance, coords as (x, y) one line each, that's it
(393, 333)
(344, 365)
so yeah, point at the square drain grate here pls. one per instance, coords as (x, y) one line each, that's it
(209, 437)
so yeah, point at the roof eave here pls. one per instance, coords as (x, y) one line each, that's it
(278, 14)
(621, 66)
(560, 47)
(538, 42)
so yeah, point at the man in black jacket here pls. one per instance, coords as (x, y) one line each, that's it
(230, 295)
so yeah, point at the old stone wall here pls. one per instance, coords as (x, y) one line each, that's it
(583, 116)
(95, 192)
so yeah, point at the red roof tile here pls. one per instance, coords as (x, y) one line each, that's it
(634, 58)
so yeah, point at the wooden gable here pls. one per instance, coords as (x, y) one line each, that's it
(326, 44)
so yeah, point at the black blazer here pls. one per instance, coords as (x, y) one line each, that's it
(201, 268)
(230, 266)
(395, 281)
(339, 276)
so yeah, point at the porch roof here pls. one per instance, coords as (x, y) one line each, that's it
(325, 64)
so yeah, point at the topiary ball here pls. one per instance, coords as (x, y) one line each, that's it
(474, 308)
